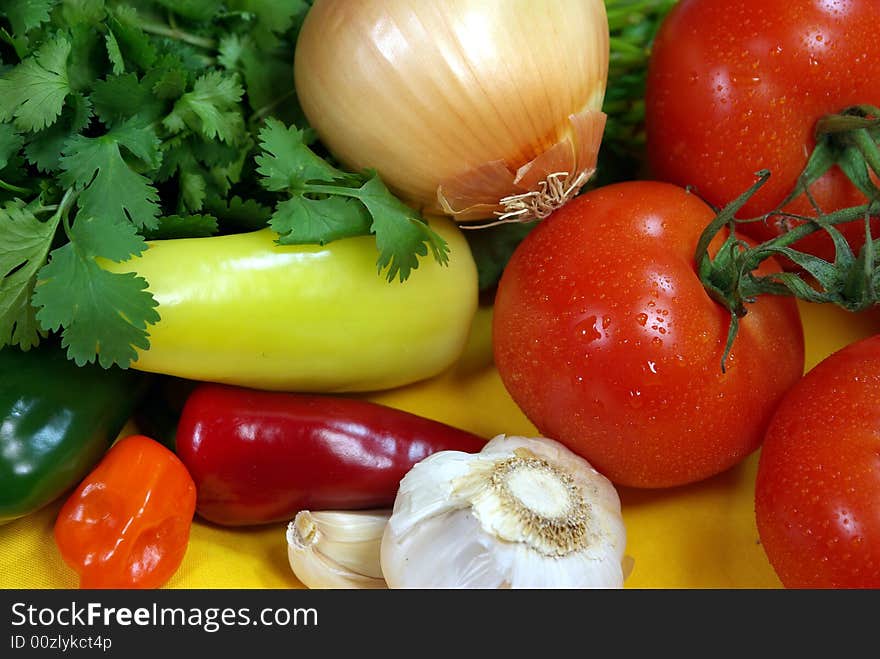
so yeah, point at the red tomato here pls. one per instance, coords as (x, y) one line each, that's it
(817, 497)
(605, 337)
(735, 86)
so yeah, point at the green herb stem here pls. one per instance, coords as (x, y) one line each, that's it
(179, 35)
(267, 110)
(62, 212)
(317, 188)
(13, 188)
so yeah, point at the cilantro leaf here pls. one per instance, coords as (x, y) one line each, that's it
(191, 60)
(24, 245)
(25, 15)
(33, 92)
(104, 315)
(193, 189)
(229, 51)
(300, 220)
(178, 158)
(183, 226)
(88, 55)
(239, 214)
(105, 238)
(268, 76)
(211, 108)
(77, 13)
(111, 188)
(276, 24)
(271, 14)
(44, 149)
(213, 154)
(114, 53)
(134, 44)
(196, 10)
(168, 82)
(401, 235)
(117, 98)
(286, 161)
(269, 81)
(10, 143)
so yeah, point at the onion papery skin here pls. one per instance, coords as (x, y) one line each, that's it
(461, 103)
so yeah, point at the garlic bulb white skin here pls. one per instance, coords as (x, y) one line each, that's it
(337, 549)
(522, 513)
(472, 108)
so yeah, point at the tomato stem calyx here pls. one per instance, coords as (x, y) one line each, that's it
(850, 140)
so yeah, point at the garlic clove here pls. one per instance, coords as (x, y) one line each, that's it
(424, 498)
(522, 513)
(331, 549)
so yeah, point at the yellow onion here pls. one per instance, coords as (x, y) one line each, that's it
(472, 108)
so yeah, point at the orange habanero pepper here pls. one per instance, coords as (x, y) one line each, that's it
(127, 525)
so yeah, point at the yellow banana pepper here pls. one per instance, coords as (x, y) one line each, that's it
(240, 309)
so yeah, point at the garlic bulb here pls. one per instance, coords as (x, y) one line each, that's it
(330, 549)
(472, 108)
(522, 513)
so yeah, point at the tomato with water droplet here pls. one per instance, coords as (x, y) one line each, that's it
(817, 496)
(607, 340)
(736, 86)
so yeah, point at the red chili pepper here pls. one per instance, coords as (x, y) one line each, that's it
(127, 524)
(260, 457)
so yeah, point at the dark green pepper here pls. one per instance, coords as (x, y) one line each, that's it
(56, 421)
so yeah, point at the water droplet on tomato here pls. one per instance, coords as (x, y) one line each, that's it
(635, 398)
(587, 329)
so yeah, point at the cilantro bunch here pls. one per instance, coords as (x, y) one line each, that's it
(128, 120)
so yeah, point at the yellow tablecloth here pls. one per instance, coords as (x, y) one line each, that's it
(698, 536)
